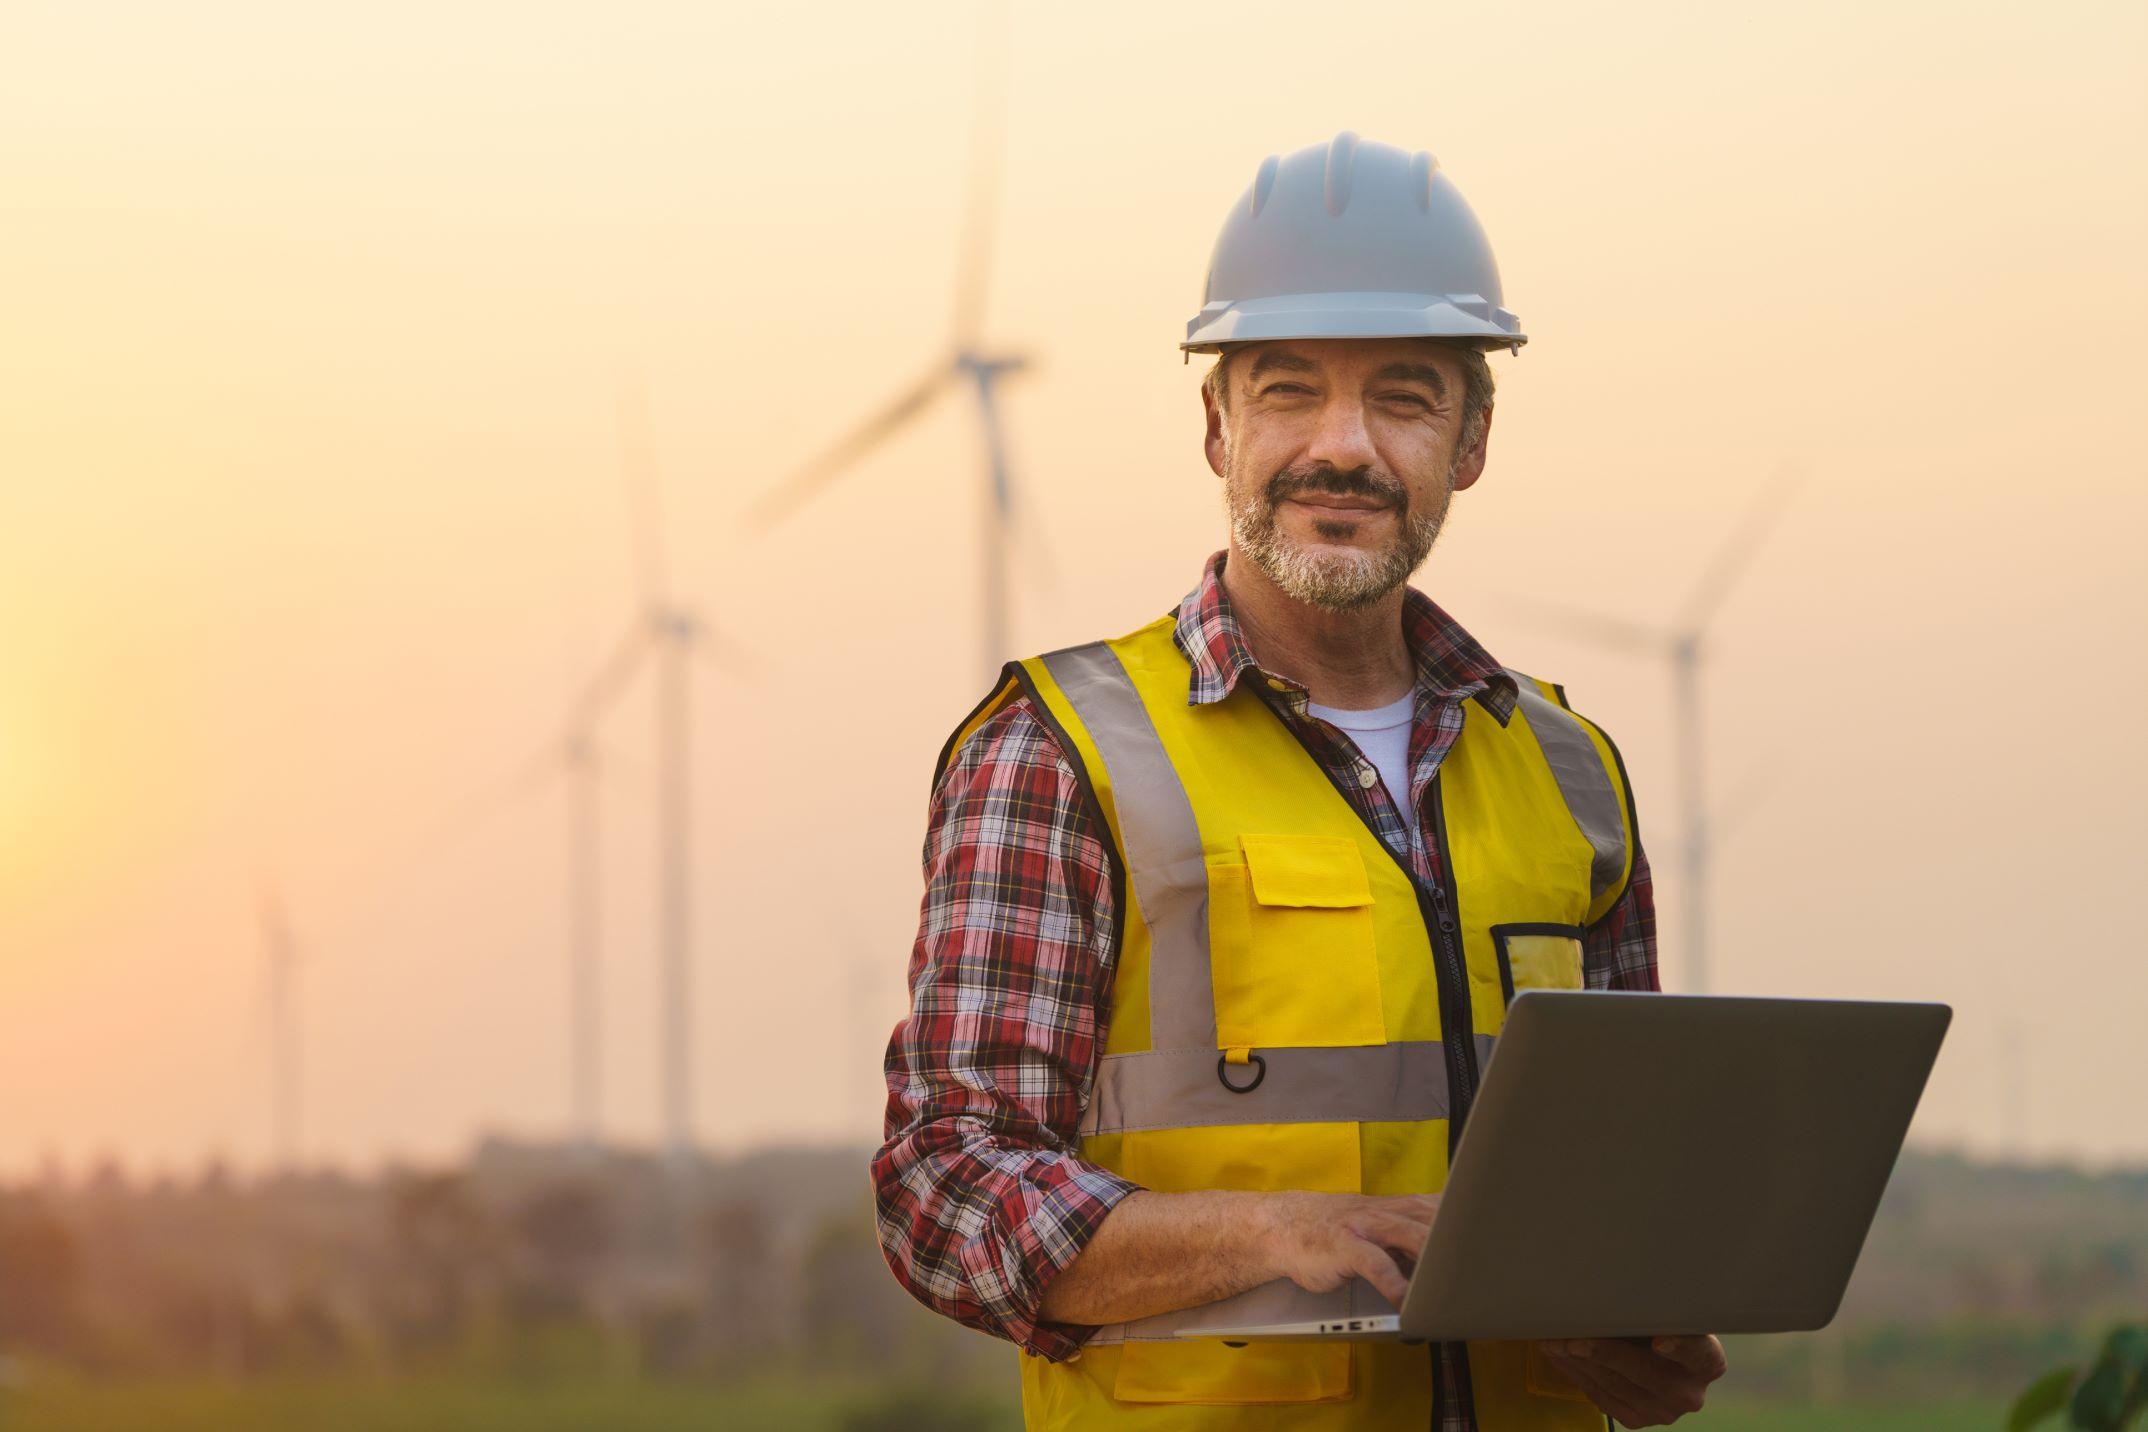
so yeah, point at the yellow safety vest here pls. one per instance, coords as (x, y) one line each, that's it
(1292, 1010)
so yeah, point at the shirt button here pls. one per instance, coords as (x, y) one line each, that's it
(1366, 775)
(1276, 685)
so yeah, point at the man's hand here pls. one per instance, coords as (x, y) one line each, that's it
(1643, 1382)
(1159, 1252)
(1318, 1240)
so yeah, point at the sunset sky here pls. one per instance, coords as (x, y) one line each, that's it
(313, 326)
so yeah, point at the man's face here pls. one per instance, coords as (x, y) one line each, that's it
(1338, 458)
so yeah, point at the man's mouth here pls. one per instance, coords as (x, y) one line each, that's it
(1330, 502)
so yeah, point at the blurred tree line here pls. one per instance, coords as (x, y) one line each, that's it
(527, 1260)
(534, 1261)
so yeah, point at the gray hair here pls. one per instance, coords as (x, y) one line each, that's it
(1477, 388)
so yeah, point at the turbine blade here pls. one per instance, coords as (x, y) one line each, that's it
(980, 218)
(718, 651)
(987, 373)
(1738, 550)
(1593, 627)
(505, 790)
(1018, 513)
(611, 679)
(794, 490)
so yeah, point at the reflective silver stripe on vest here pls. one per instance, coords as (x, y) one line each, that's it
(1366, 1083)
(1163, 844)
(1590, 793)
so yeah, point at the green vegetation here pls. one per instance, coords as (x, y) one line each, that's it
(1919, 1417)
(450, 1405)
(537, 1288)
(354, 1405)
(2106, 1395)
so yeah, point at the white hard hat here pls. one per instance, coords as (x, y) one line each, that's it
(1351, 239)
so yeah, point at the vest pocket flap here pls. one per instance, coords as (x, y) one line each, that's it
(1539, 956)
(1315, 871)
(1292, 959)
(1220, 1375)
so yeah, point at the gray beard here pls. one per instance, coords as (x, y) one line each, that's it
(1339, 580)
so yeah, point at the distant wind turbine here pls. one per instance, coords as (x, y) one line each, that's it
(1682, 642)
(965, 362)
(667, 628)
(580, 760)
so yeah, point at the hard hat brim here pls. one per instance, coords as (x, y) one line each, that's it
(1352, 315)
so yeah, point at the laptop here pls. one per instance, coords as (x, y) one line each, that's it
(1639, 1164)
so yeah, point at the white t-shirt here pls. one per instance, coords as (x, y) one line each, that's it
(1383, 736)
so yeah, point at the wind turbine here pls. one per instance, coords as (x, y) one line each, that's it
(668, 630)
(965, 362)
(1683, 644)
(580, 761)
(677, 636)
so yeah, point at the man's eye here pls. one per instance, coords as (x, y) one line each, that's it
(1407, 398)
(1286, 388)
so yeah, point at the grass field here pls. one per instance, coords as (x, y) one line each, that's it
(354, 1405)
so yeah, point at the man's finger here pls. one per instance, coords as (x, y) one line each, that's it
(1699, 1354)
(1370, 1262)
(1397, 1233)
(1608, 1394)
(1396, 1212)
(1664, 1388)
(1634, 1361)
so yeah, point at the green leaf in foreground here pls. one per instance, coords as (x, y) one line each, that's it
(2127, 1346)
(2040, 1399)
(2101, 1397)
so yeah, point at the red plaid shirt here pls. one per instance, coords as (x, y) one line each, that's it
(981, 1195)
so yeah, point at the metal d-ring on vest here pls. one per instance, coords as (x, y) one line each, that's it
(1223, 1072)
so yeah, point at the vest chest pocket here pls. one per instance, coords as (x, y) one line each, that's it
(1533, 956)
(1291, 953)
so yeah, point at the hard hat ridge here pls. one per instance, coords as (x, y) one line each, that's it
(1351, 239)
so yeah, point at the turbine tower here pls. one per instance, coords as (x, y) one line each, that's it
(965, 362)
(584, 933)
(666, 629)
(1683, 644)
(670, 631)
(580, 761)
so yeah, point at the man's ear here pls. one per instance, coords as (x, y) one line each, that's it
(1213, 444)
(1472, 465)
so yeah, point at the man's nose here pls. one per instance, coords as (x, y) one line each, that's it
(1339, 437)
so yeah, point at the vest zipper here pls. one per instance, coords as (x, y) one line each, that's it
(1457, 1022)
(1437, 908)
(1443, 922)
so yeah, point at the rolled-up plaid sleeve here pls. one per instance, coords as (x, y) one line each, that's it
(981, 1197)
(1620, 951)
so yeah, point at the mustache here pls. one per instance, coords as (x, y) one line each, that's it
(1362, 482)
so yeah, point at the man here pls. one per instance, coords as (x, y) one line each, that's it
(1222, 916)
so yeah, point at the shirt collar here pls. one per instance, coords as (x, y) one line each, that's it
(1451, 664)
